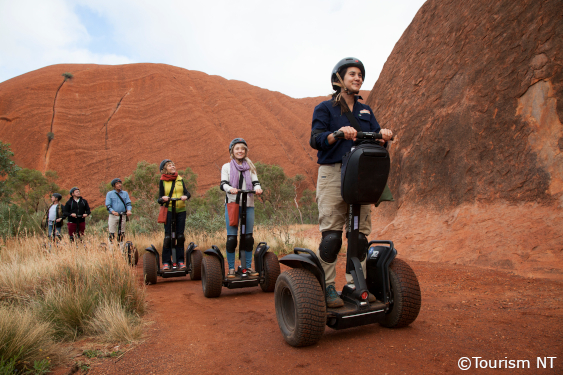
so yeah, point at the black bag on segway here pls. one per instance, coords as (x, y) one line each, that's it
(364, 174)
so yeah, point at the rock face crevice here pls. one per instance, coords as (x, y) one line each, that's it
(51, 127)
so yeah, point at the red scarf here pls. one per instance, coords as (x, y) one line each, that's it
(169, 177)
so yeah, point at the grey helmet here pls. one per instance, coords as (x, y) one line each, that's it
(345, 63)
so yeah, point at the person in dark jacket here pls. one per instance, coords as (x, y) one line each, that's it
(76, 210)
(173, 186)
(54, 216)
(328, 117)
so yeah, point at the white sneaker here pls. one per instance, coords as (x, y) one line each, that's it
(231, 274)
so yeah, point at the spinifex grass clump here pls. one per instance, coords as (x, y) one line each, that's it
(24, 341)
(67, 288)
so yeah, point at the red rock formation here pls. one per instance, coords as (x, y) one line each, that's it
(474, 92)
(107, 118)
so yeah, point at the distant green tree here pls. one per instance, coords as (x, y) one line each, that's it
(7, 168)
(31, 189)
(280, 207)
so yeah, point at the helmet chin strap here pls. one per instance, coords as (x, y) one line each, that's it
(343, 86)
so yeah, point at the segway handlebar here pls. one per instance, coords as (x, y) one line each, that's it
(247, 191)
(360, 135)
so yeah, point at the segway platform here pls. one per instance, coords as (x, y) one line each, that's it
(152, 268)
(214, 275)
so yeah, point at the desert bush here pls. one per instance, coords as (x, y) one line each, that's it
(7, 168)
(50, 136)
(67, 75)
(31, 189)
(99, 213)
(15, 221)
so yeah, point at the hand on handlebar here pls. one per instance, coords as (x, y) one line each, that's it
(386, 134)
(258, 191)
(233, 191)
(115, 213)
(184, 198)
(164, 198)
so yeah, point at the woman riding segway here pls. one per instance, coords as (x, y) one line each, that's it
(173, 186)
(239, 174)
(342, 113)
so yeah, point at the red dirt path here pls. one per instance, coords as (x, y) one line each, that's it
(466, 312)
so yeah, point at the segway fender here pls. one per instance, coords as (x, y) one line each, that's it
(378, 269)
(305, 261)
(189, 251)
(259, 254)
(214, 251)
(152, 249)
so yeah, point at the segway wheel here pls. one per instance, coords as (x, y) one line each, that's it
(271, 272)
(211, 276)
(300, 307)
(195, 262)
(149, 268)
(405, 295)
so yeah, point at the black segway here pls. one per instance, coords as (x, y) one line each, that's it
(151, 259)
(301, 308)
(213, 275)
(128, 249)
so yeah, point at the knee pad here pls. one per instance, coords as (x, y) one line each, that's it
(362, 247)
(180, 241)
(248, 243)
(330, 245)
(167, 244)
(231, 244)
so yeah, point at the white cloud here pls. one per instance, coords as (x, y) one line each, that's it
(288, 46)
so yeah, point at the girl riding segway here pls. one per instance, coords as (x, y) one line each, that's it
(239, 174)
(173, 186)
(342, 113)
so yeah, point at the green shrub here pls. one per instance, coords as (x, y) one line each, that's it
(67, 75)
(50, 136)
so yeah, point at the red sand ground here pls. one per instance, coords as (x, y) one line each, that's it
(466, 312)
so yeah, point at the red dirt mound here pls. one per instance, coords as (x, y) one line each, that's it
(473, 91)
(107, 118)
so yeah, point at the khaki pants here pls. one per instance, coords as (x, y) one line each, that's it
(113, 223)
(333, 212)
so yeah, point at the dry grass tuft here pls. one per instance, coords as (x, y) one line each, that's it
(24, 338)
(112, 322)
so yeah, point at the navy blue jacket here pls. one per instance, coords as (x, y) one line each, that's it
(328, 119)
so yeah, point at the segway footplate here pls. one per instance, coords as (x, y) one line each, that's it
(351, 316)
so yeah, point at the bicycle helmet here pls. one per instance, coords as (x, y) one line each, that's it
(115, 181)
(162, 164)
(58, 196)
(235, 141)
(345, 63)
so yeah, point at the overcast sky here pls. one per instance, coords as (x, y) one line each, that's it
(286, 46)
